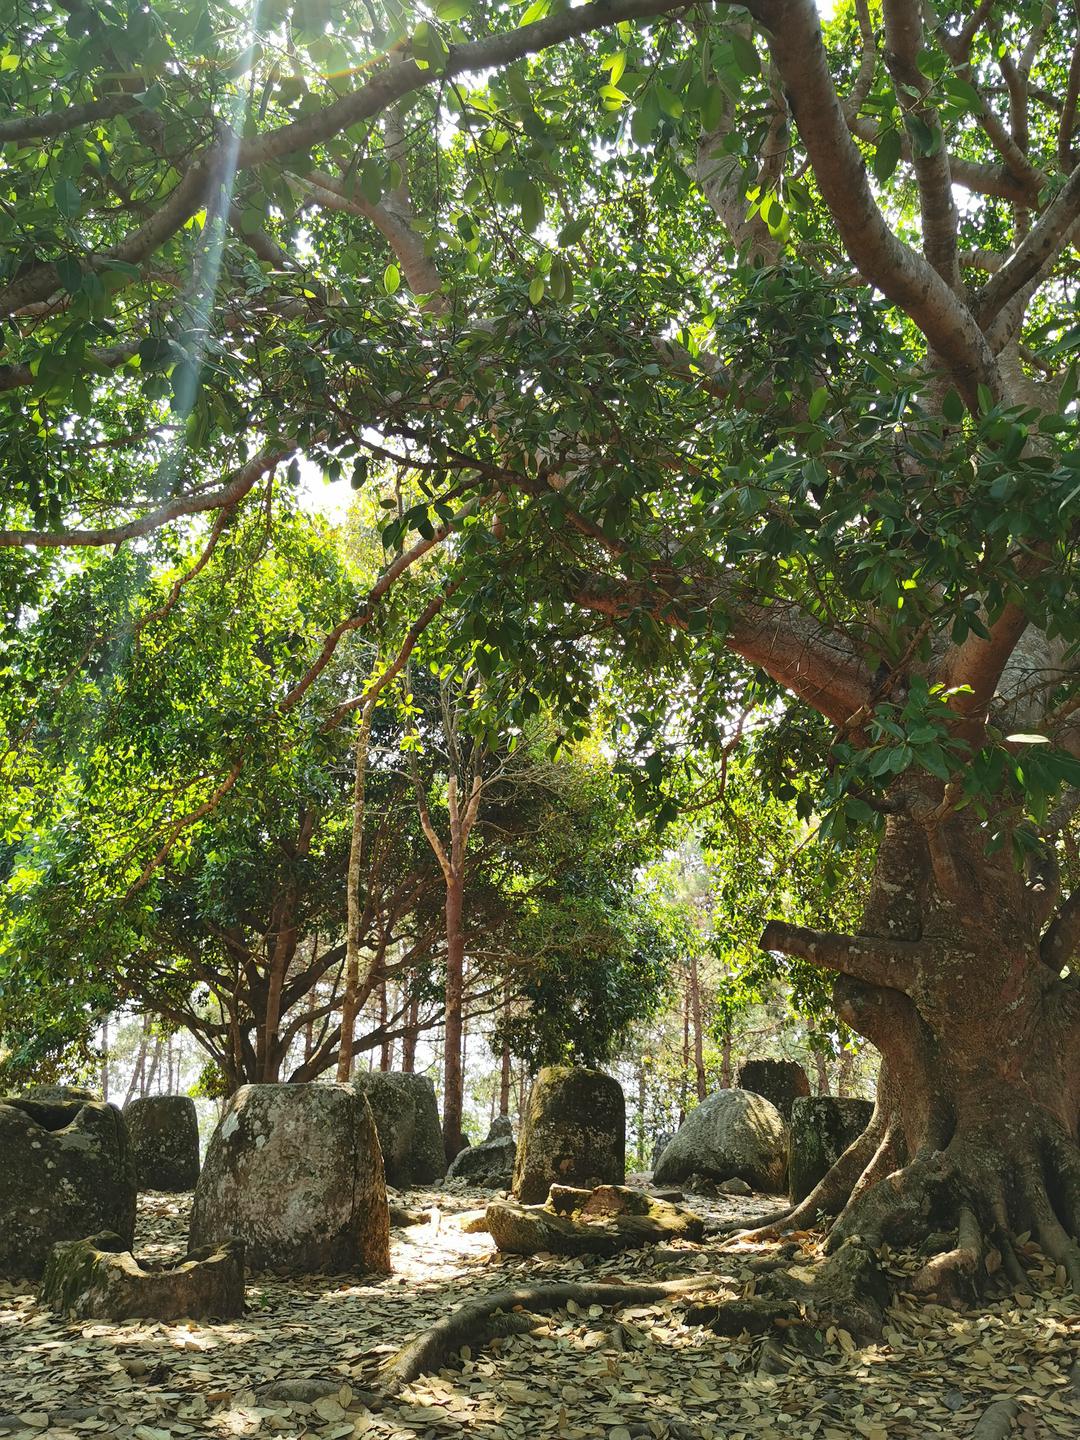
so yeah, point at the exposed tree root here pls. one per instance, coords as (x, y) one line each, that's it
(469, 1324)
(957, 1270)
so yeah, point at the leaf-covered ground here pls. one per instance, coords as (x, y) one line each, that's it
(595, 1375)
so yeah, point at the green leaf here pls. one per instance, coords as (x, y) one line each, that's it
(645, 120)
(66, 197)
(537, 286)
(531, 204)
(391, 279)
(818, 401)
(371, 181)
(887, 155)
(746, 55)
(451, 10)
(953, 407)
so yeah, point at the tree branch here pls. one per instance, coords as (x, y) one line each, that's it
(228, 154)
(224, 497)
(1036, 254)
(59, 122)
(362, 616)
(419, 269)
(940, 218)
(892, 963)
(98, 357)
(901, 274)
(1061, 941)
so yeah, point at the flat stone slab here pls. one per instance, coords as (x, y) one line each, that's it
(100, 1279)
(603, 1221)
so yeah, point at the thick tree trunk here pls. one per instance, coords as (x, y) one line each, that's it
(976, 1125)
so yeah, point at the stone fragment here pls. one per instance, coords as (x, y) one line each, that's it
(731, 1133)
(407, 1119)
(780, 1081)
(490, 1164)
(822, 1127)
(164, 1132)
(295, 1172)
(573, 1133)
(577, 1221)
(99, 1279)
(472, 1222)
(660, 1144)
(66, 1172)
(734, 1186)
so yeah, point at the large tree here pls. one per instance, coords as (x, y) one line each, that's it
(704, 367)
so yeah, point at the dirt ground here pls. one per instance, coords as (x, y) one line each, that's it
(585, 1375)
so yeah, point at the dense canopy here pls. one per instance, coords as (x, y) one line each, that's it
(704, 361)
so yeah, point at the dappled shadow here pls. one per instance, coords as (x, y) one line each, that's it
(578, 1375)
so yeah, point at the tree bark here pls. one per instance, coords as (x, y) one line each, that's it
(978, 1112)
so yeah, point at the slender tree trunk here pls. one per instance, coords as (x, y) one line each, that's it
(155, 1061)
(641, 1156)
(105, 1058)
(408, 1041)
(727, 1061)
(504, 1060)
(139, 1068)
(350, 1004)
(695, 1013)
(684, 1081)
(453, 1074)
(821, 1073)
(844, 1067)
(309, 1026)
(385, 1047)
